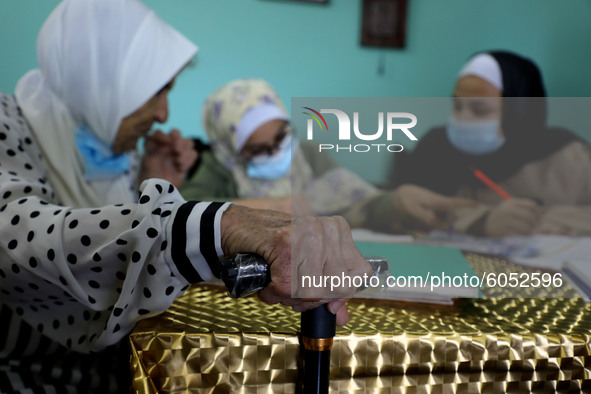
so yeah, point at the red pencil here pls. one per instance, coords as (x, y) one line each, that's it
(491, 184)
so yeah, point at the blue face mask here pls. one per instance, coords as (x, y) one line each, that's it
(274, 166)
(100, 163)
(477, 137)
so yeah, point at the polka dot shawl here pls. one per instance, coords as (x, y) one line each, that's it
(84, 277)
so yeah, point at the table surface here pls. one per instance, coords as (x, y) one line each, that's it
(208, 342)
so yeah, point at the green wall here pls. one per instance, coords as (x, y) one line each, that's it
(313, 50)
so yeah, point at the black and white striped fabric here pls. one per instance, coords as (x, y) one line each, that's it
(77, 280)
(31, 363)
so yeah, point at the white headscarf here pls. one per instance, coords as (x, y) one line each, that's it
(99, 61)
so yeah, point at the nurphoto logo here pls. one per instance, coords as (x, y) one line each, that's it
(395, 122)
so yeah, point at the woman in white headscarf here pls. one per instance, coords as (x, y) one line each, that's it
(69, 177)
(84, 252)
(93, 73)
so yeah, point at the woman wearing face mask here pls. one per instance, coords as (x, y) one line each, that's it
(85, 251)
(256, 161)
(498, 126)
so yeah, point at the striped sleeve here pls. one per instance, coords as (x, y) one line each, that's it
(32, 363)
(18, 339)
(196, 240)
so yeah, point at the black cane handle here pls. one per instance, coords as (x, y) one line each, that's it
(244, 273)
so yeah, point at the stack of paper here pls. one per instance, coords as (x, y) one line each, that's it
(578, 273)
(568, 255)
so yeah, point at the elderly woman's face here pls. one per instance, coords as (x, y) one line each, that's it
(140, 122)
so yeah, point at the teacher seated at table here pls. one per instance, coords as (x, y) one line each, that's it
(498, 128)
(255, 160)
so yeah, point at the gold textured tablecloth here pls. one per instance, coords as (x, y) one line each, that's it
(210, 343)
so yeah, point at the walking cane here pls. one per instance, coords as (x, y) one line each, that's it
(246, 273)
(318, 329)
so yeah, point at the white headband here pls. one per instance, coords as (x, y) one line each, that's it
(255, 118)
(486, 67)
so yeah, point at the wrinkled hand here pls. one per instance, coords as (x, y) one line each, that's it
(517, 216)
(298, 204)
(167, 156)
(430, 209)
(302, 246)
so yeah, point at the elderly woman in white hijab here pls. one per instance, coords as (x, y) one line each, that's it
(251, 163)
(84, 254)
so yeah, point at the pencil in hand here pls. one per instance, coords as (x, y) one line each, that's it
(490, 184)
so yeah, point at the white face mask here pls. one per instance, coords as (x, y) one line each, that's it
(273, 166)
(477, 137)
